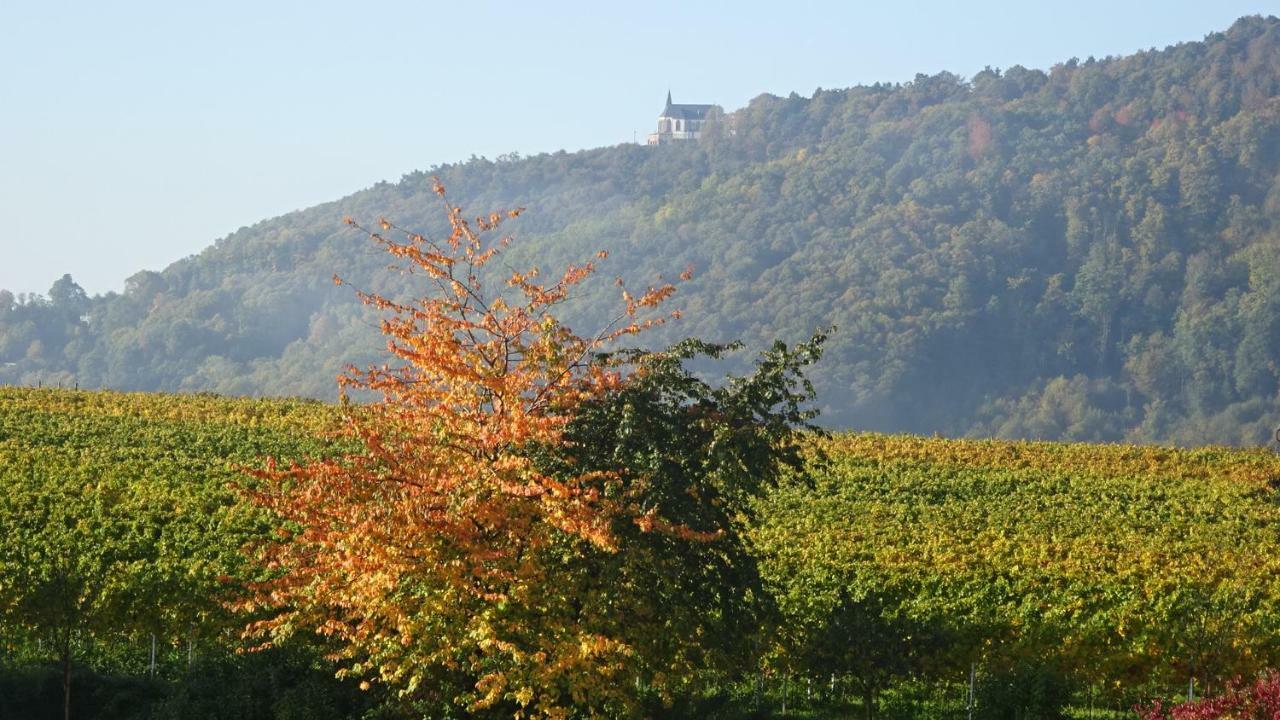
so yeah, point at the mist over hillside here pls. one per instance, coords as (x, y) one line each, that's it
(1086, 252)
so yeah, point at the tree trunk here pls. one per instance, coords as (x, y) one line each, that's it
(869, 702)
(66, 678)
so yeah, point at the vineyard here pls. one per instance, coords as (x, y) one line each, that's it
(1083, 575)
(1118, 572)
(120, 530)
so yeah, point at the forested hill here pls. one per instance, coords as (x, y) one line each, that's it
(1087, 252)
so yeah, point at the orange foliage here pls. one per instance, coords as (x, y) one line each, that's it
(980, 137)
(418, 556)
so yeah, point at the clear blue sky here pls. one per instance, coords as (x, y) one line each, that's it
(135, 133)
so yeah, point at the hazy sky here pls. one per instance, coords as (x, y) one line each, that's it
(135, 133)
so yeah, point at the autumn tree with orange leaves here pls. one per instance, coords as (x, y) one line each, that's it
(534, 526)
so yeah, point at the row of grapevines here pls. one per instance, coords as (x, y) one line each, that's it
(911, 556)
(1119, 565)
(120, 520)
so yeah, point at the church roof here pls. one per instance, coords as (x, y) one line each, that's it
(684, 112)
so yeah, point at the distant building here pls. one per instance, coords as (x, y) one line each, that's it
(679, 122)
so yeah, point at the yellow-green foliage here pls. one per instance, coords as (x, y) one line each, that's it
(1117, 564)
(118, 515)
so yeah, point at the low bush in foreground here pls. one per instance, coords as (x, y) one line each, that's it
(1259, 700)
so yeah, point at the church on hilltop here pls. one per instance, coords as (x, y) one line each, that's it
(679, 122)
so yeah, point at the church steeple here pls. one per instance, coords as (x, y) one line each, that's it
(668, 107)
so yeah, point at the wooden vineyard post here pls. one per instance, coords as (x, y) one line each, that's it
(786, 686)
(973, 673)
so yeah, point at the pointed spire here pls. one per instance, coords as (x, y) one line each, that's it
(668, 97)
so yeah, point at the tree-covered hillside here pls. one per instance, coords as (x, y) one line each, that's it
(1088, 252)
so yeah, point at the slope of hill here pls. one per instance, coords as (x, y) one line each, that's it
(121, 530)
(1124, 569)
(1120, 566)
(1087, 252)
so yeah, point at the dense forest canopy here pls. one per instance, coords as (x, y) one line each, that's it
(1087, 252)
